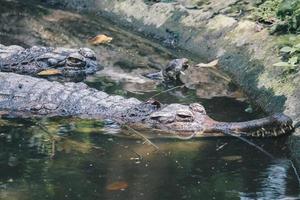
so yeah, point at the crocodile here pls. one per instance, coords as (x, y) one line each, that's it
(26, 96)
(64, 64)
(171, 72)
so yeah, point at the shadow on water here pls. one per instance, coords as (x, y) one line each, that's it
(69, 158)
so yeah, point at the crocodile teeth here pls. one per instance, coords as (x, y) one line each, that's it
(257, 133)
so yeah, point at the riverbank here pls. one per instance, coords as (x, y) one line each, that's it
(220, 30)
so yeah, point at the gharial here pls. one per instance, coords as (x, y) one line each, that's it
(26, 96)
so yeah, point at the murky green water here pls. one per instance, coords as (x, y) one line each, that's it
(81, 159)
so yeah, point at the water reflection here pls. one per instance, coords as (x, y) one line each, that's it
(275, 182)
(86, 161)
(77, 159)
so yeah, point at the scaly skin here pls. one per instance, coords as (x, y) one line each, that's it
(70, 64)
(29, 96)
(171, 72)
(174, 68)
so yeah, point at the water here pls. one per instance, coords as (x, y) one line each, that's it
(69, 158)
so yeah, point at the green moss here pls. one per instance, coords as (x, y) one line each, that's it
(288, 47)
(283, 15)
(266, 11)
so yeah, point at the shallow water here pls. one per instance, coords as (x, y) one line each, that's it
(79, 159)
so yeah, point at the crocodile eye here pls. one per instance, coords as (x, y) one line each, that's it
(162, 117)
(184, 116)
(76, 60)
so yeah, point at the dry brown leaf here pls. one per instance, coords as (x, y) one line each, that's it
(119, 185)
(100, 39)
(49, 72)
(211, 64)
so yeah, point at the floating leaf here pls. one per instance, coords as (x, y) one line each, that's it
(283, 64)
(100, 39)
(49, 72)
(213, 63)
(287, 49)
(120, 185)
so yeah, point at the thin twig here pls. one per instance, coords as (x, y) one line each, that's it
(222, 146)
(295, 171)
(42, 127)
(250, 143)
(219, 74)
(168, 90)
(142, 136)
(297, 125)
(264, 151)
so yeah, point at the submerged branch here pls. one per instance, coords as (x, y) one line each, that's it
(142, 136)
